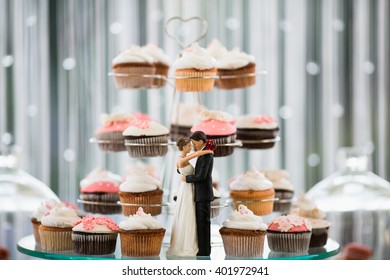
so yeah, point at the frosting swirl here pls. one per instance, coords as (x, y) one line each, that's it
(187, 114)
(140, 181)
(195, 57)
(234, 59)
(156, 53)
(132, 55)
(140, 220)
(319, 223)
(279, 179)
(244, 219)
(145, 128)
(258, 122)
(98, 224)
(307, 208)
(100, 180)
(251, 180)
(60, 216)
(216, 49)
(45, 207)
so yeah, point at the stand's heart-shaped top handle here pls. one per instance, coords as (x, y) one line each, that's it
(182, 20)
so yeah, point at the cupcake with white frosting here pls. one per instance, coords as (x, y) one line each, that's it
(94, 236)
(55, 230)
(37, 215)
(132, 67)
(284, 189)
(235, 69)
(243, 233)
(215, 204)
(195, 70)
(254, 190)
(216, 49)
(99, 192)
(146, 139)
(161, 62)
(141, 235)
(257, 131)
(141, 189)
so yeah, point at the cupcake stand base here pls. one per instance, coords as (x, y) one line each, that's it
(27, 246)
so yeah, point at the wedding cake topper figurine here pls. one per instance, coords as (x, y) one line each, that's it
(190, 234)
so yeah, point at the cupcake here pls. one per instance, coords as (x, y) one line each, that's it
(195, 70)
(217, 125)
(215, 204)
(183, 120)
(320, 226)
(289, 234)
(99, 192)
(109, 135)
(161, 64)
(243, 234)
(94, 236)
(37, 215)
(284, 190)
(141, 235)
(146, 139)
(254, 190)
(235, 69)
(141, 189)
(55, 230)
(132, 67)
(257, 132)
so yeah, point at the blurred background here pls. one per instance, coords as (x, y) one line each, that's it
(324, 68)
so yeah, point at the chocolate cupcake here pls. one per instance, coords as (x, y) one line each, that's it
(94, 236)
(257, 132)
(99, 192)
(146, 139)
(161, 64)
(217, 125)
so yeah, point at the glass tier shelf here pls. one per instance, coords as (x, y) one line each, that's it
(27, 246)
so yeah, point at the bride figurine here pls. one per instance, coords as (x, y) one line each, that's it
(184, 241)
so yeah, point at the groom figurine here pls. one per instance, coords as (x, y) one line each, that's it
(203, 192)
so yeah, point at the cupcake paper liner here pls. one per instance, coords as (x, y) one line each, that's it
(94, 243)
(35, 224)
(215, 210)
(136, 80)
(239, 81)
(109, 198)
(56, 240)
(222, 151)
(239, 244)
(252, 138)
(162, 70)
(140, 243)
(319, 237)
(116, 141)
(147, 151)
(289, 242)
(140, 200)
(192, 84)
(284, 205)
(252, 200)
(176, 131)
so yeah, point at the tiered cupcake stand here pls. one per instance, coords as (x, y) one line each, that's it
(28, 246)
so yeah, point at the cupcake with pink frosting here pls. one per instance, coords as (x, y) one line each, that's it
(257, 131)
(195, 70)
(99, 192)
(254, 190)
(141, 235)
(243, 234)
(218, 126)
(141, 188)
(290, 234)
(94, 236)
(146, 139)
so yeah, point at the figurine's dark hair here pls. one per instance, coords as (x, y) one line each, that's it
(199, 135)
(182, 141)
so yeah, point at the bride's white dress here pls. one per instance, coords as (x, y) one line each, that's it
(184, 241)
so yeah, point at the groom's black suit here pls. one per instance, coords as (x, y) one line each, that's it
(203, 192)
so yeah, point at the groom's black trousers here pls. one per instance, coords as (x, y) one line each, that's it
(202, 212)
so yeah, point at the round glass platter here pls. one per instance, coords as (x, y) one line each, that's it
(27, 246)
